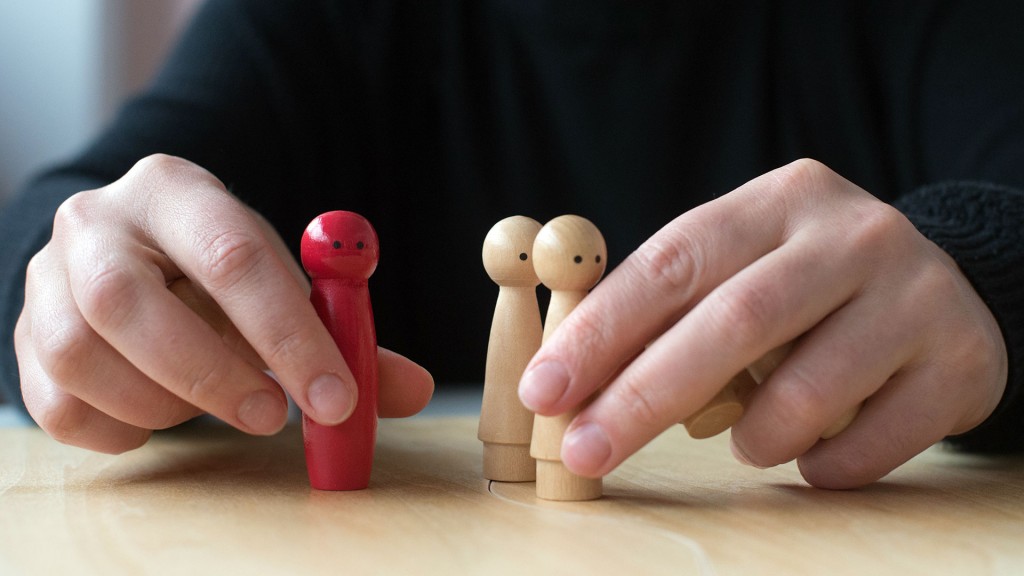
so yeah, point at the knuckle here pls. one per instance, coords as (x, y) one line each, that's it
(159, 165)
(287, 345)
(973, 355)
(879, 229)
(670, 261)
(742, 313)
(159, 171)
(984, 353)
(72, 214)
(642, 409)
(35, 269)
(228, 258)
(203, 382)
(801, 174)
(108, 296)
(62, 417)
(937, 279)
(798, 401)
(71, 421)
(585, 331)
(63, 350)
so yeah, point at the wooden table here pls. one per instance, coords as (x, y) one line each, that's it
(209, 500)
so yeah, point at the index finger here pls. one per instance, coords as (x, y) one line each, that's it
(224, 249)
(654, 287)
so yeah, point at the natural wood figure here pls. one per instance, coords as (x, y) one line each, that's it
(726, 408)
(569, 256)
(505, 424)
(722, 411)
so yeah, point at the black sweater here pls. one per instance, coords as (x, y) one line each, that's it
(437, 118)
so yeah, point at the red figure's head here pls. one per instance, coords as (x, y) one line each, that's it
(340, 244)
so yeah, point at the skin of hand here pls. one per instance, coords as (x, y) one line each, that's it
(160, 297)
(879, 315)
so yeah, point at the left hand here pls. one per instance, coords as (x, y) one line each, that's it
(880, 315)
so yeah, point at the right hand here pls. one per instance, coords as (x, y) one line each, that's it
(160, 297)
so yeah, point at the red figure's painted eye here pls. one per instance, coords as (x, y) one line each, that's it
(336, 244)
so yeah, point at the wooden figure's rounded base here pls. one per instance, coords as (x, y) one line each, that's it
(556, 482)
(509, 463)
(722, 411)
(713, 421)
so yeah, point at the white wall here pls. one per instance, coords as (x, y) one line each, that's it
(65, 65)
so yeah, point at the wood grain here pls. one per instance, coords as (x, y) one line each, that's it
(208, 499)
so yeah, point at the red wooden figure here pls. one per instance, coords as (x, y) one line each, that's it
(339, 252)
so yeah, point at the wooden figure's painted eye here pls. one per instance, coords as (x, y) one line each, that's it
(336, 244)
(597, 259)
(522, 256)
(360, 245)
(578, 259)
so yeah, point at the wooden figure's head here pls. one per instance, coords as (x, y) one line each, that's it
(569, 254)
(508, 252)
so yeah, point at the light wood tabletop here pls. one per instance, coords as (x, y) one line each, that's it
(206, 499)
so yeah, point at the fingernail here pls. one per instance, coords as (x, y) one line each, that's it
(586, 448)
(262, 412)
(332, 400)
(543, 385)
(741, 456)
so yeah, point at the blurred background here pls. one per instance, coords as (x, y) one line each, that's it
(64, 67)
